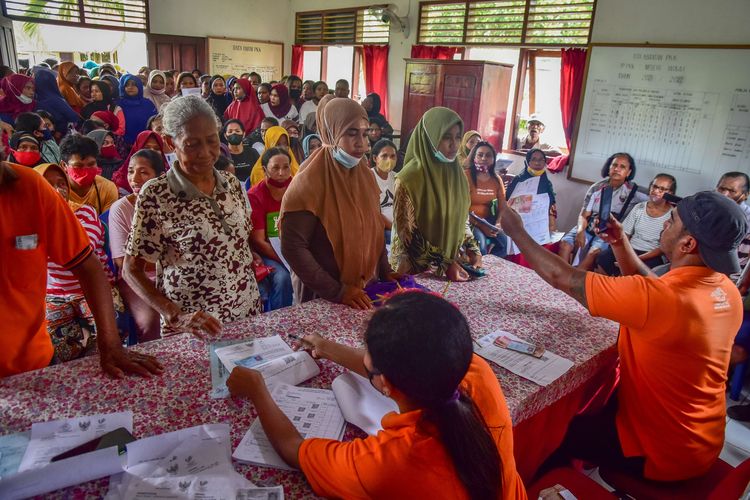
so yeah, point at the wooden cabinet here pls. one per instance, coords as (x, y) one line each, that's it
(477, 90)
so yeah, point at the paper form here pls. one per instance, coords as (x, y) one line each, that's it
(542, 371)
(49, 439)
(37, 475)
(189, 463)
(314, 413)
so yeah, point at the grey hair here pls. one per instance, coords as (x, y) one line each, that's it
(180, 111)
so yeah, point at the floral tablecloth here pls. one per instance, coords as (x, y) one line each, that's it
(511, 298)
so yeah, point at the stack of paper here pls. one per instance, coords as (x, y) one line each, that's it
(189, 463)
(37, 475)
(360, 403)
(542, 371)
(314, 412)
(272, 357)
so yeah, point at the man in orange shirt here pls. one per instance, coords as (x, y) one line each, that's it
(667, 419)
(37, 224)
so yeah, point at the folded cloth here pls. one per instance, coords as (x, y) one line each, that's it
(379, 291)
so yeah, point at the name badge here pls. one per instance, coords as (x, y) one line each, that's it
(27, 242)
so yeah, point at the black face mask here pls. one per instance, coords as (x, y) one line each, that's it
(295, 93)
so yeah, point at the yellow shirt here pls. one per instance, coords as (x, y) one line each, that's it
(101, 195)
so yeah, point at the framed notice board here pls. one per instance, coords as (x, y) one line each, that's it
(682, 110)
(229, 56)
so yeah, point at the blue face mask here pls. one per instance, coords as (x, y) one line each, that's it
(47, 134)
(345, 158)
(439, 156)
(442, 158)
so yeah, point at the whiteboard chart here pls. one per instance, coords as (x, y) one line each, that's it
(682, 111)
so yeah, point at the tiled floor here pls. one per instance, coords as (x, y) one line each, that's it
(736, 440)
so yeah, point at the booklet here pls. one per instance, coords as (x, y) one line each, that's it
(272, 357)
(314, 412)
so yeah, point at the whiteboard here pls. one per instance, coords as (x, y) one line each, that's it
(228, 56)
(682, 111)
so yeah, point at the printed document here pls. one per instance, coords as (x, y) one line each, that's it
(314, 412)
(542, 371)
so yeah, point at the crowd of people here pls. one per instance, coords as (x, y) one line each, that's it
(187, 201)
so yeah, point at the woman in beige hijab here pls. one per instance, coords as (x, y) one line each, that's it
(332, 234)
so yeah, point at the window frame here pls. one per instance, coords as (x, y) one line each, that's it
(358, 36)
(357, 64)
(524, 30)
(81, 23)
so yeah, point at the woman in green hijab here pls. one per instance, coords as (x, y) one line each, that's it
(431, 202)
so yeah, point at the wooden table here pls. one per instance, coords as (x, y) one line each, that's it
(510, 298)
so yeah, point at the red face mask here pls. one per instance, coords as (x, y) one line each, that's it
(108, 152)
(27, 158)
(84, 177)
(278, 184)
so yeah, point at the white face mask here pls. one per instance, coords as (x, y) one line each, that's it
(345, 158)
(25, 99)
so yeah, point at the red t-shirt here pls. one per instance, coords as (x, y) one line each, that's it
(265, 214)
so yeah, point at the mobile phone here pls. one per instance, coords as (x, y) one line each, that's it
(672, 199)
(605, 207)
(118, 437)
(519, 346)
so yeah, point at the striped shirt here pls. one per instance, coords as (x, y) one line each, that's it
(62, 282)
(644, 231)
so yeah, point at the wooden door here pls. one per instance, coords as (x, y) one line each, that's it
(8, 55)
(183, 53)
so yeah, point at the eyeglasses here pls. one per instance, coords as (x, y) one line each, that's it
(371, 374)
(660, 189)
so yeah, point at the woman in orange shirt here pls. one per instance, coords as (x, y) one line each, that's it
(452, 437)
(485, 188)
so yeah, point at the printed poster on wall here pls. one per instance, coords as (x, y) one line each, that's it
(227, 56)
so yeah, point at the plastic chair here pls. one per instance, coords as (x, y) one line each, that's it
(721, 482)
(575, 482)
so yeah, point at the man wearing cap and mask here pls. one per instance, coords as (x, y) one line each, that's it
(666, 420)
(533, 138)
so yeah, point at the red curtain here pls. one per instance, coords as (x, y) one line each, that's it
(376, 73)
(298, 52)
(571, 82)
(432, 52)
